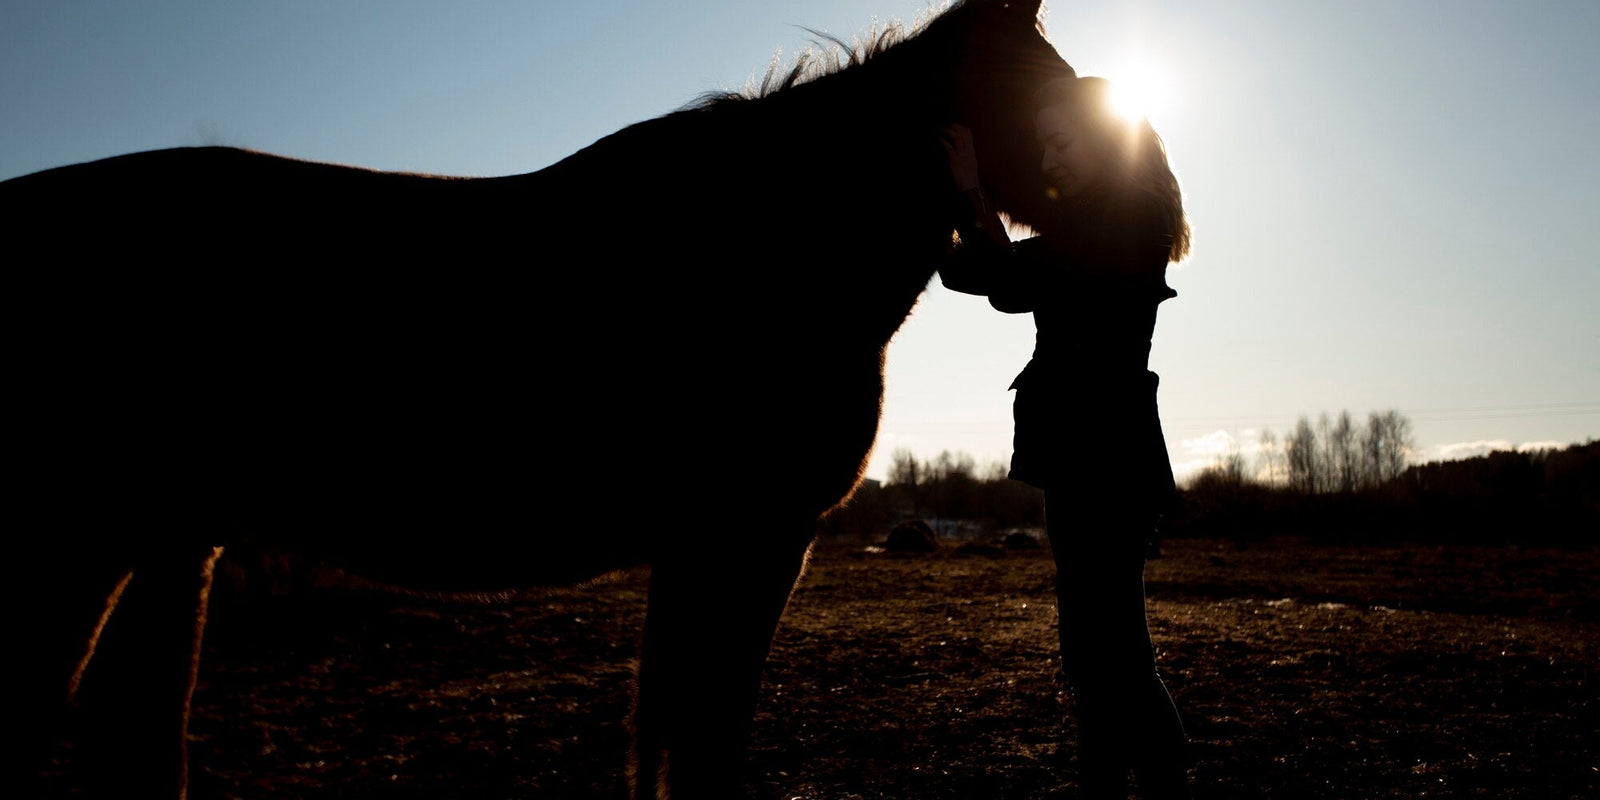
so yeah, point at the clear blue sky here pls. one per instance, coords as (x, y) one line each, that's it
(1396, 202)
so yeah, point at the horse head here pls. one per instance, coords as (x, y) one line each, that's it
(1003, 58)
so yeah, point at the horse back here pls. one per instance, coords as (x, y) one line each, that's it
(230, 335)
(232, 340)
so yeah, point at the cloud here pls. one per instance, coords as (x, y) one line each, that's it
(1460, 450)
(1193, 455)
(1527, 447)
(1210, 446)
(1261, 458)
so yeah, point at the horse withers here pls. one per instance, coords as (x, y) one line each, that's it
(382, 370)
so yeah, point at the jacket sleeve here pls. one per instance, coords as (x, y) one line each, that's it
(984, 261)
(980, 247)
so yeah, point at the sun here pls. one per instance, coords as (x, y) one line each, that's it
(1138, 91)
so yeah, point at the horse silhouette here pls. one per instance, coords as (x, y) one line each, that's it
(676, 335)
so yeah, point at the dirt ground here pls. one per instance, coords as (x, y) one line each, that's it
(1302, 671)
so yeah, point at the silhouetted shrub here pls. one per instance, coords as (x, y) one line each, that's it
(911, 536)
(1017, 540)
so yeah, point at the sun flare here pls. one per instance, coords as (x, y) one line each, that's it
(1138, 92)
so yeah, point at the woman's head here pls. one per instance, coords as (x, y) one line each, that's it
(1091, 151)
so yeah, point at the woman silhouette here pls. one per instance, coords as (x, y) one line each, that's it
(1087, 430)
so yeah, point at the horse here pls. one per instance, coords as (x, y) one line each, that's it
(435, 381)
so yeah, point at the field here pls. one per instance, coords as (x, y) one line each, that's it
(1302, 670)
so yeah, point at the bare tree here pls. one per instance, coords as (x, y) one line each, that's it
(1230, 464)
(1300, 452)
(1326, 465)
(1388, 444)
(1272, 469)
(953, 465)
(954, 489)
(1372, 450)
(904, 469)
(908, 476)
(1343, 460)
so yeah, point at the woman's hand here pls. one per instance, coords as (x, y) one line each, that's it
(979, 227)
(957, 141)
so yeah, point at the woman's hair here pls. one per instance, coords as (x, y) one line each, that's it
(1137, 158)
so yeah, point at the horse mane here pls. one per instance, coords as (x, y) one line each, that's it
(830, 54)
(827, 55)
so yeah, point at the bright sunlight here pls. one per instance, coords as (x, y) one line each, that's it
(1138, 91)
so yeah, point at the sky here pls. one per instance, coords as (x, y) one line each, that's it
(1396, 203)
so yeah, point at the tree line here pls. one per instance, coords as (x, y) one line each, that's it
(1334, 479)
(950, 491)
(1337, 455)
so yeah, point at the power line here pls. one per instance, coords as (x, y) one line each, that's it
(1463, 413)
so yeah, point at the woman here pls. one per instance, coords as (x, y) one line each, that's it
(1087, 429)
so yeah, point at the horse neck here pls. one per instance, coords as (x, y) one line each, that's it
(872, 189)
(820, 161)
(824, 201)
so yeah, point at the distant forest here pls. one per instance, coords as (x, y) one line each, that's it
(1336, 481)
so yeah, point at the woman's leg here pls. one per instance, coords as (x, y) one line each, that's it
(1126, 719)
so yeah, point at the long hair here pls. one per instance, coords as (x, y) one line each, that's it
(1135, 155)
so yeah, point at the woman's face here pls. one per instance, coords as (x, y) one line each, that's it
(1071, 161)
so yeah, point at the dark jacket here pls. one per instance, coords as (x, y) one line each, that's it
(1085, 409)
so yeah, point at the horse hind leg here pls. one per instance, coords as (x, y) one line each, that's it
(134, 690)
(708, 630)
(55, 614)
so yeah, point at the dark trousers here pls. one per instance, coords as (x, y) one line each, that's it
(1127, 722)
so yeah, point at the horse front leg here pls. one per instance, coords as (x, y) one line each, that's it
(134, 689)
(707, 634)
